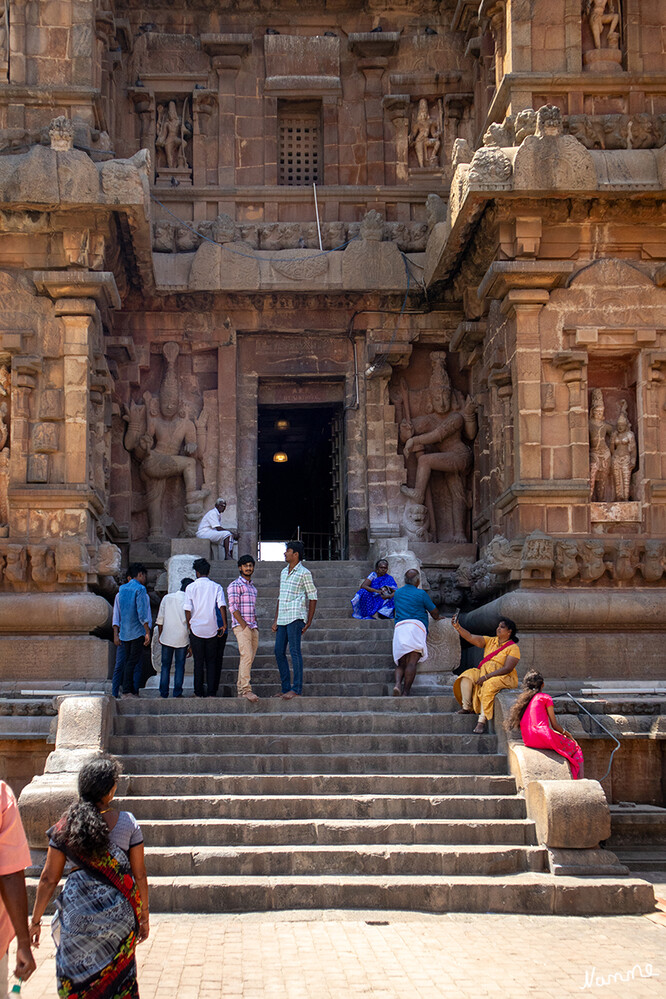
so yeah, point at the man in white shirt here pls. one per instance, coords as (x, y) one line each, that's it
(174, 638)
(203, 600)
(210, 527)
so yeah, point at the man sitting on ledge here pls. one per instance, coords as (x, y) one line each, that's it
(210, 527)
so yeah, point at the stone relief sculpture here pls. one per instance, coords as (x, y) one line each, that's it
(601, 14)
(623, 455)
(5, 397)
(600, 455)
(164, 441)
(173, 133)
(426, 135)
(613, 453)
(435, 440)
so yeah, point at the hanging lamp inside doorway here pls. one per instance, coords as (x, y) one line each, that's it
(279, 457)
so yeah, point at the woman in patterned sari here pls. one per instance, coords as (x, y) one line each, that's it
(102, 912)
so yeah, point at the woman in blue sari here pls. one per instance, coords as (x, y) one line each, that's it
(375, 597)
(102, 912)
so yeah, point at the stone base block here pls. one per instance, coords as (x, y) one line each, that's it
(199, 547)
(568, 814)
(56, 657)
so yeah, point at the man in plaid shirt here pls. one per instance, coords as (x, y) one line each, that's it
(297, 602)
(242, 601)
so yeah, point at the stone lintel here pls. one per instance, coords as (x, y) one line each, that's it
(542, 492)
(570, 361)
(54, 496)
(369, 44)
(300, 85)
(75, 307)
(226, 44)
(100, 285)
(506, 275)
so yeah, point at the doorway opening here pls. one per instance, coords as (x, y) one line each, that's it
(301, 490)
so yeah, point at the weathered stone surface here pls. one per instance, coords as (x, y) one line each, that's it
(53, 612)
(568, 814)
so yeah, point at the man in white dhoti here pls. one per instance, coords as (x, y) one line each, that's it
(210, 527)
(410, 634)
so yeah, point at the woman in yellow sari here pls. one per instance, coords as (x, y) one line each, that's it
(475, 689)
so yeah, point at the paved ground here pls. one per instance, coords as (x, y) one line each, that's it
(394, 955)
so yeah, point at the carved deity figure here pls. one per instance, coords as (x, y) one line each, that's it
(600, 455)
(436, 440)
(164, 442)
(426, 135)
(653, 563)
(623, 455)
(172, 134)
(601, 14)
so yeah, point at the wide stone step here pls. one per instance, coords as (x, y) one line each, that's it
(313, 673)
(528, 892)
(284, 807)
(414, 705)
(297, 724)
(341, 763)
(258, 832)
(382, 860)
(290, 744)
(314, 784)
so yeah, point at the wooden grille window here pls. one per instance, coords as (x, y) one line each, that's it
(299, 158)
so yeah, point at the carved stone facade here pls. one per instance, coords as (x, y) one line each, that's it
(469, 306)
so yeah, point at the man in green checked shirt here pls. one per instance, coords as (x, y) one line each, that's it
(295, 610)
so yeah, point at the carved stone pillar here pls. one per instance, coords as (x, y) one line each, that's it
(397, 107)
(573, 364)
(373, 70)
(227, 52)
(203, 105)
(227, 398)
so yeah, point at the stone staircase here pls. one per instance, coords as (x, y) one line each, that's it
(340, 654)
(336, 802)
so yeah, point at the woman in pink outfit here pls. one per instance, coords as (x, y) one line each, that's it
(533, 712)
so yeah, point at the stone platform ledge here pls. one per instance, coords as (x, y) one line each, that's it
(84, 727)
(54, 658)
(45, 613)
(574, 609)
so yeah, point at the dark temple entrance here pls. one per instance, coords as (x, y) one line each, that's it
(301, 477)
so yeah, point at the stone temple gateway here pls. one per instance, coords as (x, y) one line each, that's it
(418, 250)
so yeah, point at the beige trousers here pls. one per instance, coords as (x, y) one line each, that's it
(248, 640)
(4, 976)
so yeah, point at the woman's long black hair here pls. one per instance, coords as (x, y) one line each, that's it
(512, 626)
(532, 684)
(82, 829)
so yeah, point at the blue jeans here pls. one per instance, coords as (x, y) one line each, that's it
(290, 634)
(179, 672)
(118, 668)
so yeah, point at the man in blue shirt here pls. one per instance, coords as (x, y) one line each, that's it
(410, 634)
(134, 627)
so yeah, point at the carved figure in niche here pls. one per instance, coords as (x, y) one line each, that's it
(600, 455)
(426, 135)
(623, 455)
(436, 441)
(652, 565)
(173, 132)
(164, 441)
(602, 13)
